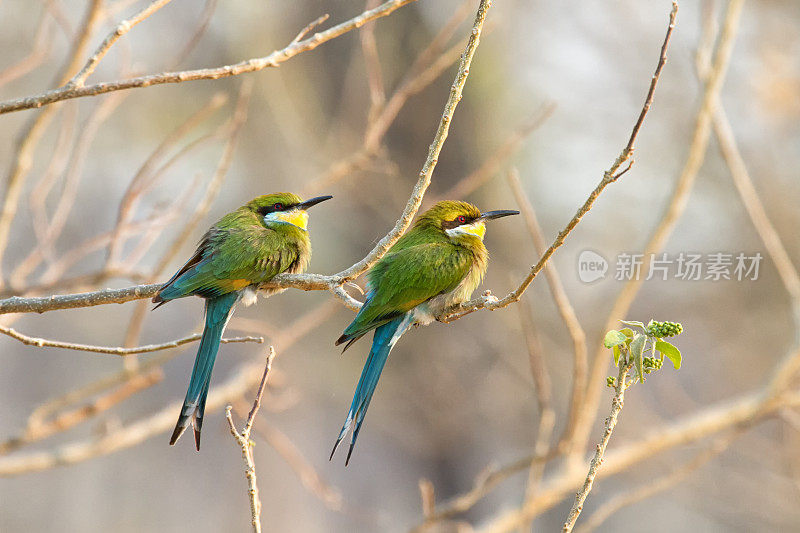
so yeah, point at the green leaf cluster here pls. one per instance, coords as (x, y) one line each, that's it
(633, 344)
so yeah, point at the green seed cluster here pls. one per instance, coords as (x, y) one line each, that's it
(651, 364)
(611, 381)
(664, 329)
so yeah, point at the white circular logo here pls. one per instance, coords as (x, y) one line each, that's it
(591, 266)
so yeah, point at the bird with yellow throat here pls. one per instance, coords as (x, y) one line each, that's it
(438, 263)
(247, 247)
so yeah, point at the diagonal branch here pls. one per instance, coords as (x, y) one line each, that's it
(302, 281)
(488, 301)
(653, 487)
(122, 28)
(250, 65)
(675, 209)
(617, 402)
(433, 153)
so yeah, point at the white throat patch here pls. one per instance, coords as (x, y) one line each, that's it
(477, 228)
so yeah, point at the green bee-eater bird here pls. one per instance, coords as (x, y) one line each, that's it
(263, 238)
(438, 263)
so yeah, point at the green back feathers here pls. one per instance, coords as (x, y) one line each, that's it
(423, 264)
(241, 250)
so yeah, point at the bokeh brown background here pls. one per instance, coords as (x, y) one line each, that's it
(455, 397)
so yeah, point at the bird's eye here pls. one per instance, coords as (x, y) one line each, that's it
(278, 207)
(461, 219)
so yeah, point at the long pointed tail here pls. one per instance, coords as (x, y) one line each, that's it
(218, 311)
(382, 343)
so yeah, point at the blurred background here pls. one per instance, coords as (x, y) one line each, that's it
(554, 90)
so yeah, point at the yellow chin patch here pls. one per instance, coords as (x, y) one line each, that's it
(296, 217)
(478, 229)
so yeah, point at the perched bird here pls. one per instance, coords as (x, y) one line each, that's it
(438, 263)
(263, 238)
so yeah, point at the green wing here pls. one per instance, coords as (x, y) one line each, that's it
(230, 259)
(405, 278)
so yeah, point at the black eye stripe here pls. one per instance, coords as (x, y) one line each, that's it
(457, 221)
(277, 206)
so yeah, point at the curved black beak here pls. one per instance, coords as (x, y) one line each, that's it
(500, 213)
(313, 201)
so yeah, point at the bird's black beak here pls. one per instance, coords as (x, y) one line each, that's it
(313, 201)
(500, 213)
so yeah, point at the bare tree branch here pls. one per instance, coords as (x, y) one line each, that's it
(251, 65)
(243, 439)
(488, 301)
(122, 28)
(40, 304)
(115, 350)
(302, 281)
(674, 210)
(622, 383)
(652, 487)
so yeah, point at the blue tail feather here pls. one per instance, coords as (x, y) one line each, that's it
(218, 311)
(386, 336)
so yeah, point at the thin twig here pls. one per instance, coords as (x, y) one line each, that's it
(130, 435)
(433, 153)
(74, 174)
(488, 301)
(214, 185)
(310, 27)
(147, 171)
(114, 350)
(427, 494)
(369, 47)
(303, 281)
(309, 477)
(251, 65)
(484, 483)
(669, 220)
(205, 22)
(122, 28)
(611, 422)
(243, 439)
(653, 487)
